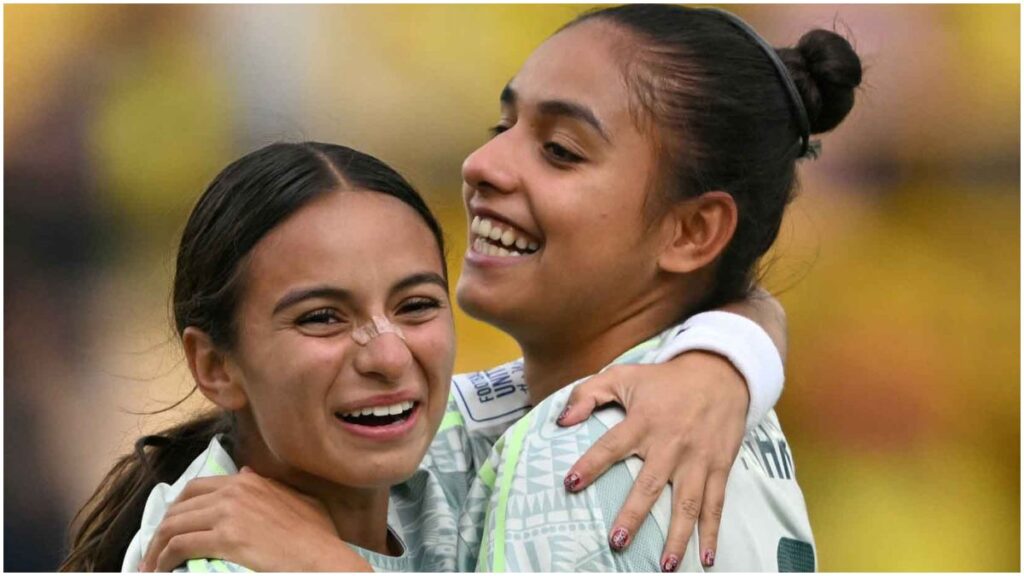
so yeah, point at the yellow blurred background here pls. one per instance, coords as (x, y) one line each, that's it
(899, 264)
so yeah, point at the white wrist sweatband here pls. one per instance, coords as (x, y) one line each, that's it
(745, 344)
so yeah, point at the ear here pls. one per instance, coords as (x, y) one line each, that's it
(213, 371)
(701, 228)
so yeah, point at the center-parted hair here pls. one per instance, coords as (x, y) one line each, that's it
(248, 199)
(723, 118)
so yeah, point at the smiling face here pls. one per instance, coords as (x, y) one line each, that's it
(323, 405)
(556, 198)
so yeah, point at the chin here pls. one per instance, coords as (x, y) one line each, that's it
(382, 472)
(485, 305)
(471, 298)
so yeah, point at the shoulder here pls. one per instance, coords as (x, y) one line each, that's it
(533, 524)
(214, 461)
(490, 400)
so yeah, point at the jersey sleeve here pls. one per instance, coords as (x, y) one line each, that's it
(486, 404)
(481, 406)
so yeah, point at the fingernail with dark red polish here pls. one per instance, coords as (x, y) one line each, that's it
(708, 558)
(620, 536)
(572, 481)
(670, 563)
(565, 412)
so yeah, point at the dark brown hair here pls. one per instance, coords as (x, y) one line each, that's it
(723, 118)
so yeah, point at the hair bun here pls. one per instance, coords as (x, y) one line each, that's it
(826, 70)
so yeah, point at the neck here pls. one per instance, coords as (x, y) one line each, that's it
(359, 515)
(557, 359)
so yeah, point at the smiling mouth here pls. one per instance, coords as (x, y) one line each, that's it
(499, 239)
(379, 415)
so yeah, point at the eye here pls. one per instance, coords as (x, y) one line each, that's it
(561, 154)
(419, 306)
(323, 316)
(322, 322)
(497, 129)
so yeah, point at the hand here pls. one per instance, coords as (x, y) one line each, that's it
(685, 418)
(252, 521)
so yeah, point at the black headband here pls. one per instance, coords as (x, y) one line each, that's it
(807, 148)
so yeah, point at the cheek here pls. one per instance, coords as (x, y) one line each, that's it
(433, 348)
(467, 192)
(290, 390)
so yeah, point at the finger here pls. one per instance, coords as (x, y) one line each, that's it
(687, 495)
(183, 548)
(711, 516)
(645, 491)
(172, 527)
(598, 390)
(618, 443)
(200, 486)
(201, 502)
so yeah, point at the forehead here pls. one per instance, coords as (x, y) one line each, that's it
(356, 240)
(580, 64)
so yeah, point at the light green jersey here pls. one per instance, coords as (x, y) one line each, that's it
(427, 540)
(519, 516)
(423, 511)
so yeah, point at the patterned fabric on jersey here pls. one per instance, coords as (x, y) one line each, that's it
(423, 511)
(519, 517)
(417, 555)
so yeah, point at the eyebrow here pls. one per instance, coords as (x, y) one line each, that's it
(421, 278)
(333, 293)
(565, 108)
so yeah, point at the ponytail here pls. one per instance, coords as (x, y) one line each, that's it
(105, 526)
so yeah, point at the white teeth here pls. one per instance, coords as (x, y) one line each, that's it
(392, 410)
(494, 240)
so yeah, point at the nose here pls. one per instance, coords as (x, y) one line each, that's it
(491, 167)
(385, 358)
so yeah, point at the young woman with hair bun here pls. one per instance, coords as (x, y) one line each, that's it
(686, 126)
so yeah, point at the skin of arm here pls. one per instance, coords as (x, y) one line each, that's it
(767, 312)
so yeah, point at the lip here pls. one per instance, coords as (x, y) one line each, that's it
(380, 400)
(486, 261)
(383, 433)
